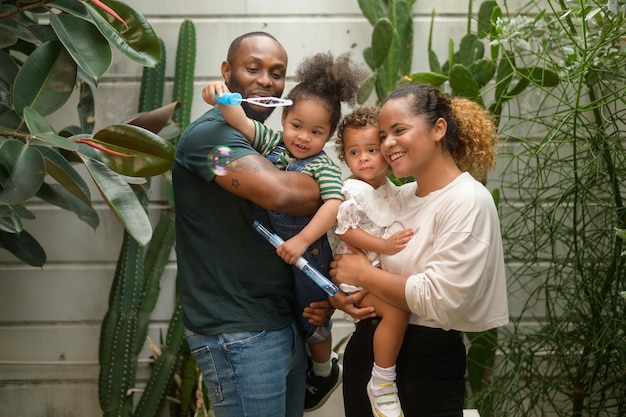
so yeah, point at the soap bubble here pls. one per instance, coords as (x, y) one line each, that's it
(218, 159)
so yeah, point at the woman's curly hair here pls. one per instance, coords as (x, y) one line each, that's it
(471, 134)
(330, 80)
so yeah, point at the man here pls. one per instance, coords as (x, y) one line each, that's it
(235, 291)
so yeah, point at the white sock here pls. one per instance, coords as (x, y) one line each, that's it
(383, 375)
(322, 369)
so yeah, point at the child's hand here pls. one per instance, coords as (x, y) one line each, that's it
(398, 241)
(209, 91)
(292, 249)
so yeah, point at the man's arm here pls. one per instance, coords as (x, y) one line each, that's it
(254, 178)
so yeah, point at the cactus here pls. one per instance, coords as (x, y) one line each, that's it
(136, 285)
(183, 76)
(389, 57)
(118, 361)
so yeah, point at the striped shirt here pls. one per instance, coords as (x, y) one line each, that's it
(322, 168)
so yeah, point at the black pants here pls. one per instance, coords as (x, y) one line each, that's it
(430, 371)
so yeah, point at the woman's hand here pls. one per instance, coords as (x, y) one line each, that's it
(348, 268)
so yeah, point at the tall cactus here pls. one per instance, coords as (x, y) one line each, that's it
(390, 55)
(136, 284)
(118, 362)
(183, 76)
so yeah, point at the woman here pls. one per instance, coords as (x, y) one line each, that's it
(451, 275)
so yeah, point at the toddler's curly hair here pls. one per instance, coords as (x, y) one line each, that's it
(330, 80)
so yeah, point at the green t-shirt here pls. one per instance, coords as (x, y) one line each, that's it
(229, 277)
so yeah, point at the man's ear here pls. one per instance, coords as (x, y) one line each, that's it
(226, 68)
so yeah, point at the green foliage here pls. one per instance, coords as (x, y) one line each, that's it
(468, 73)
(562, 199)
(391, 51)
(40, 66)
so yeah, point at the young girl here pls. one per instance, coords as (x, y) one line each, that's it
(369, 208)
(308, 124)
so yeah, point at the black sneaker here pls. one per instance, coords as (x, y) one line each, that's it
(319, 388)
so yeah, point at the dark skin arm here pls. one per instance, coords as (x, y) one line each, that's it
(254, 178)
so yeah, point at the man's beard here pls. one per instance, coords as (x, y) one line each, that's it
(257, 113)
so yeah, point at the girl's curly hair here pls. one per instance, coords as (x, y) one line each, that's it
(330, 80)
(359, 118)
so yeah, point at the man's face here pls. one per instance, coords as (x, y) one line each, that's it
(257, 69)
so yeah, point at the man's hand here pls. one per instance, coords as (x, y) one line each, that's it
(318, 313)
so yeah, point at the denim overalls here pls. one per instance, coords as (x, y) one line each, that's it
(319, 255)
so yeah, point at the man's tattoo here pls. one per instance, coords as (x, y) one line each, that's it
(248, 164)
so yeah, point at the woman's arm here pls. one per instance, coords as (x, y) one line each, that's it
(355, 269)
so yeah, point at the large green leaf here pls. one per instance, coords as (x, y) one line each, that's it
(382, 37)
(484, 17)
(24, 246)
(46, 80)
(41, 130)
(372, 10)
(121, 199)
(138, 41)
(463, 84)
(84, 42)
(367, 87)
(86, 108)
(22, 170)
(433, 78)
(73, 7)
(404, 28)
(64, 173)
(8, 68)
(61, 197)
(10, 221)
(483, 70)
(152, 155)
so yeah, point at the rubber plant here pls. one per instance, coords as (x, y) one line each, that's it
(41, 64)
(136, 285)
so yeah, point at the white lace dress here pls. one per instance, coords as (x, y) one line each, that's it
(370, 209)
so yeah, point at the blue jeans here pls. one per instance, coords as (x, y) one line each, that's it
(319, 255)
(252, 374)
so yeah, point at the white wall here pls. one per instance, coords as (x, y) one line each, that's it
(50, 317)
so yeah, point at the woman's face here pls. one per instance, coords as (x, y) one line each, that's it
(410, 145)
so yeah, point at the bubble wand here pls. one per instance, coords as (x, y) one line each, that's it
(235, 99)
(324, 283)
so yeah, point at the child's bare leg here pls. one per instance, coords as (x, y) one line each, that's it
(389, 333)
(388, 337)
